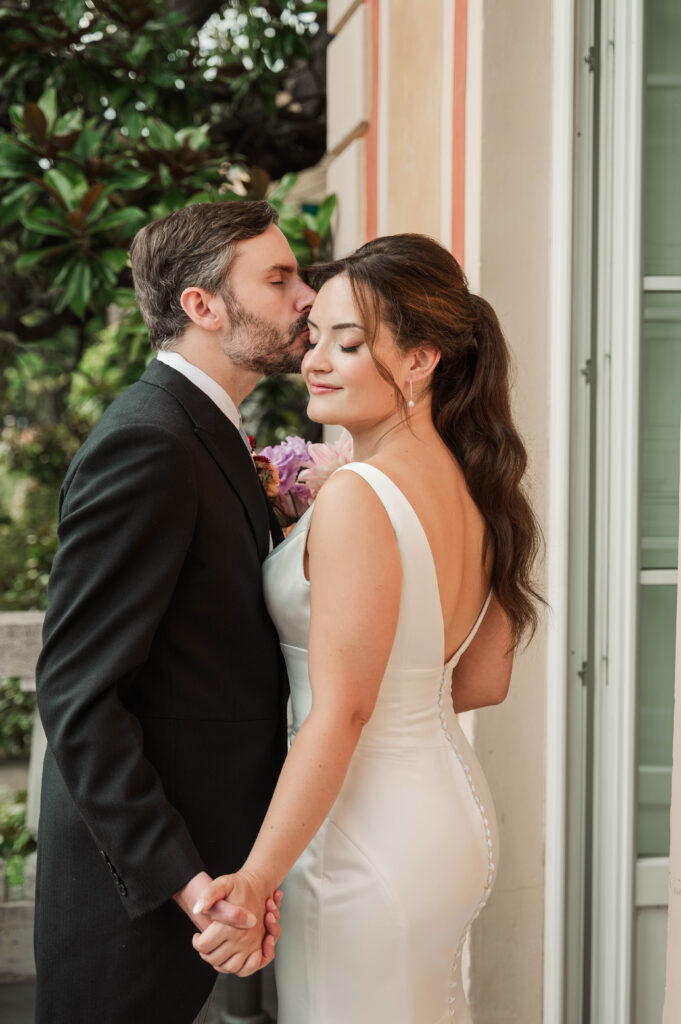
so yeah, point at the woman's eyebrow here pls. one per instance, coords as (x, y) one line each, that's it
(337, 327)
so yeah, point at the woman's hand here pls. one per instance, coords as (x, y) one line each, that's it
(232, 950)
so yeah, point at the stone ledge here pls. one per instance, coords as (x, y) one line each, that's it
(20, 642)
(16, 941)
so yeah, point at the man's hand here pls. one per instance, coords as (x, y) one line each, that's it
(229, 951)
(188, 900)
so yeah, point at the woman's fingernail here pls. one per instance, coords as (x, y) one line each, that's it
(198, 907)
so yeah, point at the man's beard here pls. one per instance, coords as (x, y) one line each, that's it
(259, 344)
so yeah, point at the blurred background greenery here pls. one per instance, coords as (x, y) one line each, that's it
(111, 115)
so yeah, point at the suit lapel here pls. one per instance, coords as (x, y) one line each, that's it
(223, 442)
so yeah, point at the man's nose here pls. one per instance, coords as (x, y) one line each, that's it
(306, 296)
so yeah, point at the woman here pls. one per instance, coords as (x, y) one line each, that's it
(399, 599)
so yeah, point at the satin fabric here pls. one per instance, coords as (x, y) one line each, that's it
(376, 909)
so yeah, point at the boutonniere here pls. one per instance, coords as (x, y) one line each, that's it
(294, 471)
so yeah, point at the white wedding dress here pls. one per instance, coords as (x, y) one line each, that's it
(376, 909)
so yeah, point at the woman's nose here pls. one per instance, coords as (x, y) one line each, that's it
(316, 360)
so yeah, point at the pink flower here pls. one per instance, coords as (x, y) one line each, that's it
(325, 459)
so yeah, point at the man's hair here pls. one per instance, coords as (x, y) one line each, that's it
(190, 247)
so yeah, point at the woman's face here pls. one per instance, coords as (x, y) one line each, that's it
(345, 386)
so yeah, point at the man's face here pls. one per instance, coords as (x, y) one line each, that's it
(267, 306)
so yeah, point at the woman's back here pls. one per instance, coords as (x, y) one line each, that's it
(434, 485)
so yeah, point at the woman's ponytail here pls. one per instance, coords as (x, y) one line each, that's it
(471, 411)
(413, 285)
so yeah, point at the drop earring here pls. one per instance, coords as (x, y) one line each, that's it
(410, 403)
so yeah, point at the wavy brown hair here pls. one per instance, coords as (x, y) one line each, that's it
(416, 288)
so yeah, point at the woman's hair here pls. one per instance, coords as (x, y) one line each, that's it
(416, 288)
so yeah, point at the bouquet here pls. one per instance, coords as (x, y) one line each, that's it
(293, 472)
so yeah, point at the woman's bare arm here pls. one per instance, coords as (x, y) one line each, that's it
(355, 574)
(483, 675)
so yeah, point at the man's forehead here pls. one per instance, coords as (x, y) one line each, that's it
(267, 252)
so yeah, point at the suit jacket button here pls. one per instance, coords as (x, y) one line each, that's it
(122, 890)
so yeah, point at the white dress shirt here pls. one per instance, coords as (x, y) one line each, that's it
(211, 388)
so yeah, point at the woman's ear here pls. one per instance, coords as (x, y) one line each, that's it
(202, 308)
(422, 362)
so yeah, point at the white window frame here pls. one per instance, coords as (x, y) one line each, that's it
(616, 562)
(617, 500)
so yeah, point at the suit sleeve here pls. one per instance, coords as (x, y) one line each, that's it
(127, 521)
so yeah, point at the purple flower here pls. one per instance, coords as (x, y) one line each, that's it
(295, 501)
(288, 457)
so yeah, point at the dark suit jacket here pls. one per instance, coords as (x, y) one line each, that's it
(162, 691)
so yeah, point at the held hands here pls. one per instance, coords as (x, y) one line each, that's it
(233, 947)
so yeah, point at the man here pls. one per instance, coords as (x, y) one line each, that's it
(160, 684)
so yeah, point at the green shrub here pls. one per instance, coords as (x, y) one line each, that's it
(16, 721)
(15, 839)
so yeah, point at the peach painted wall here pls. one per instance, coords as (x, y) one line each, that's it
(405, 169)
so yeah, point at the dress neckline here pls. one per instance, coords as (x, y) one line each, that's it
(463, 647)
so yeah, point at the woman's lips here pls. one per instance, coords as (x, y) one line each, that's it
(321, 389)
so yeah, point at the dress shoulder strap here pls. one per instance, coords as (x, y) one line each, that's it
(420, 633)
(376, 478)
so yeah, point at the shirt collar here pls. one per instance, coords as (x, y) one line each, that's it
(210, 387)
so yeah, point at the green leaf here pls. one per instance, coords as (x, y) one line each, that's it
(299, 250)
(16, 113)
(104, 272)
(44, 222)
(78, 288)
(119, 95)
(88, 143)
(131, 218)
(69, 122)
(129, 180)
(134, 122)
(196, 137)
(71, 12)
(62, 275)
(292, 224)
(140, 49)
(19, 194)
(161, 136)
(15, 161)
(9, 215)
(283, 188)
(325, 213)
(115, 258)
(48, 106)
(59, 181)
(29, 259)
